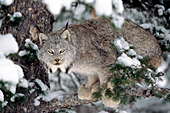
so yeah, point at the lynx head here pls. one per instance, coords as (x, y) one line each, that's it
(57, 51)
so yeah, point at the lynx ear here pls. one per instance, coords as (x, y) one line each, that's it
(42, 37)
(65, 35)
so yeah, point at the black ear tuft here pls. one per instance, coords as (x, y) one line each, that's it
(66, 25)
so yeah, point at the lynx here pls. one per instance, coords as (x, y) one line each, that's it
(85, 49)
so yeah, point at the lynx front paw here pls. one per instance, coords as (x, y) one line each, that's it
(84, 93)
(109, 102)
(95, 87)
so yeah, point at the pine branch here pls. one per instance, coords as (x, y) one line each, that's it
(147, 92)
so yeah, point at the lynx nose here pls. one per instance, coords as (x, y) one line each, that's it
(57, 60)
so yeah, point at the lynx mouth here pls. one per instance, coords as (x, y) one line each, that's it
(54, 62)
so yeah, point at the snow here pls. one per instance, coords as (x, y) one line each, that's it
(132, 52)
(65, 81)
(41, 84)
(164, 65)
(164, 34)
(23, 83)
(64, 77)
(103, 112)
(146, 25)
(160, 6)
(29, 43)
(31, 84)
(1, 96)
(4, 103)
(168, 10)
(79, 11)
(12, 99)
(167, 37)
(161, 9)
(163, 82)
(31, 91)
(89, 1)
(135, 16)
(162, 29)
(124, 58)
(50, 95)
(127, 61)
(103, 7)
(20, 71)
(55, 6)
(162, 68)
(66, 111)
(118, 4)
(23, 53)
(17, 14)
(123, 111)
(6, 75)
(160, 12)
(6, 2)
(53, 77)
(121, 44)
(77, 83)
(67, 3)
(8, 44)
(117, 20)
(0, 23)
(149, 105)
(10, 72)
(36, 100)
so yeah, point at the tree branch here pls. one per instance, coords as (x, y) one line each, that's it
(67, 101)
(72, 100)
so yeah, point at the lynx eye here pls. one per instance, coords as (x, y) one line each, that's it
(62, 51)
(50, 51)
